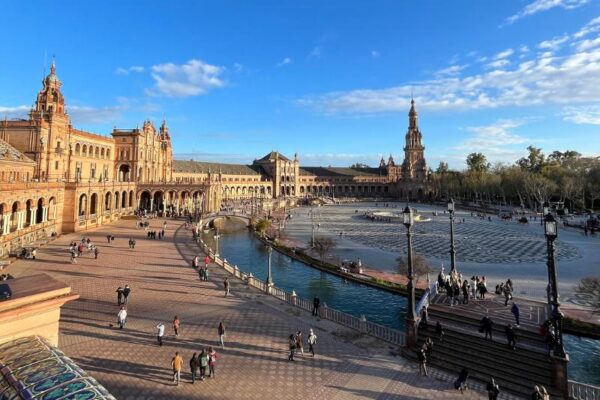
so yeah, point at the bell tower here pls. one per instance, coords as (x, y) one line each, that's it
(414, 166)
(50, 100)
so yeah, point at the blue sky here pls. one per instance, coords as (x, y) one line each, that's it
(330, 80)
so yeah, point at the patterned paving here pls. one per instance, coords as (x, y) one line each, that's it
(476, 240)
(253, 364)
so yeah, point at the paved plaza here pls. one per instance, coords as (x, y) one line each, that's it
(497, 249)
(253, 364)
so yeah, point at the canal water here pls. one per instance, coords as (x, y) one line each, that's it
(241, 248)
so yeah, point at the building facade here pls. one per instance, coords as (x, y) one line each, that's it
(55, 178)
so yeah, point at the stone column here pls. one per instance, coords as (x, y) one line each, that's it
(6, 224)
(151, 203)
(45, 214)
(20, 219)
(33, 216)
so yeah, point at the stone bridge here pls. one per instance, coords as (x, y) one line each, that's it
(207, 219)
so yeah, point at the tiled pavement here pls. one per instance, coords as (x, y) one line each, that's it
(254, 363)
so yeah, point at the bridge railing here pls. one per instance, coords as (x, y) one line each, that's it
(582, 391)
(361, 324)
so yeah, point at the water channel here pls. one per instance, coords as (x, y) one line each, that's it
(241, 248)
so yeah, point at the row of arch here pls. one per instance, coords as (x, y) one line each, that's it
(20, 215)
(89, 207)
(246, 191)
(92, 151)
(344, 189)
(171, 200)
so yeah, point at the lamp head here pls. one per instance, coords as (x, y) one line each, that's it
(546, 208)
(451, 205)
(550, 227)
(407, 217)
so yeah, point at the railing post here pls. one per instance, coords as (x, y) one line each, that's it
(363, 323)
(293, 297)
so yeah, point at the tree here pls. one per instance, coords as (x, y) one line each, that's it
(421, 266)
(442, 168)
(359, 165)
(262, 226)
(590, 288)
(323, 245)
(477, 162)
(534, 161)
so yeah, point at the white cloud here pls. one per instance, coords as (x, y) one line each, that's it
(14, 111)
(582, 115)
(498, 63)
(504, 54)
(126, 71)
(540, 79)
(190, 79)
(588, 44)
(544, 5)
(492, 136)
(524, 49)
(590, 27)
(285, 61)
(452, 70)
(375, 54)
(316, 52)
(238, 67)
(554, 43)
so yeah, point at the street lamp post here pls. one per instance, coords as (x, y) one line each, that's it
(411, 332)
(269, 276)
(216, 237)
(551, 232)
(452, 249)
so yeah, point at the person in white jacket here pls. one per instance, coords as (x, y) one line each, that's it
(312, 340)
(122, 317)
(160, 332)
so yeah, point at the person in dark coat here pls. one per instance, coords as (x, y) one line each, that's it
(119, 295)
(126, 291)
(511, 338)
(493, 389)
(487, 326)
(461, 382)
(316, 304)
(194, 364)
(439, 331)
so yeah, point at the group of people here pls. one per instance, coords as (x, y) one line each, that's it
(156, 234)
(202, 270)
(78, 249)
(122, 298)
(296, 344)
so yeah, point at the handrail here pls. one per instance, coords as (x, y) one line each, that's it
(582, 391)
(385, 333)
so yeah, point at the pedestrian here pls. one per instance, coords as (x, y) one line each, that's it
(507, 295)
(130, 243)
(515, 311)
(510, 337)
(126, 291)
(206, 274)
(545, 395)
(316, 305)
(122, 317)
(212, 362)
(487, 326)
(176, 364)
(160, 332)
(176, 324)
(226, 286)
(195, 262)
(133, 243)
(439, 331)
(428, 347)
(119, 295)
(73, 257)
(537, 394)
(422, 362)
(312, 340)
(206, 261)
(108, 238)
(493, 389)
(292, 347)
(221, 331)
(299, 343)
(465, 290)
(203, 361)
(112, 238)
(194, 363)
(461, 382)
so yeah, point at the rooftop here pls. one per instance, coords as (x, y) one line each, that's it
(341, 171)
(206, 167)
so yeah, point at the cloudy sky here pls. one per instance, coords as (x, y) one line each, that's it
(330, 80)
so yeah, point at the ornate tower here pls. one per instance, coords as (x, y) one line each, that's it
(50, 99)
(166, 153)
(414, 166)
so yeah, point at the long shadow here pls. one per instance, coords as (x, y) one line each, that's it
(127, 368)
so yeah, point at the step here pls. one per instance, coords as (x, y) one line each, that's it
(493, 352)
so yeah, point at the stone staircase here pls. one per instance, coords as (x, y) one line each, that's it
(516, 371)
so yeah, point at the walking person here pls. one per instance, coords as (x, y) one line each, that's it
(422, 362)
(537, 394)
(108, 238)
(160, 332)
(122, 317)
(292, 347)
(206, 261)
(493, 389)
(226, 286)
(96, 252)
(316, 305)
(465, 291)
(461, 383)
(221, 331)
(119, 295)
(176, 364)
(212, 362)
(126, 292)
(203, 361)
(511, 338)
(194, 364)
(515, 311)
(439, 331)
(176, 324)
(312, 340)
(486, 326)
(299, 343)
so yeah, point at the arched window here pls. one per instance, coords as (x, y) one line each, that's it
(81, 210)
(77, 149)
(84, 150)
(102, 152)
